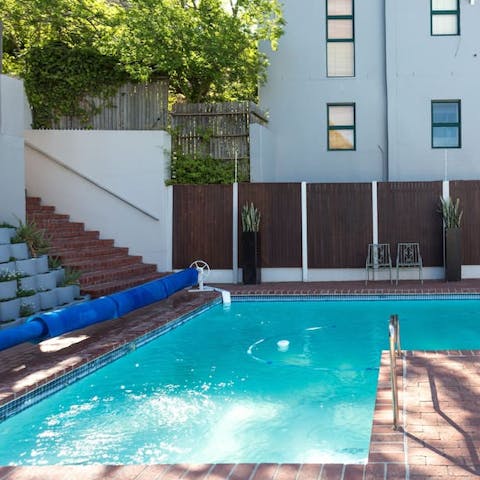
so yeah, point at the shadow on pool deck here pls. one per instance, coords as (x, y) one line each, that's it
(440, 398)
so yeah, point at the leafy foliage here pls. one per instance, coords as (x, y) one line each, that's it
(35, 238)
(250, 218)
(451, 213)
(185, 169)
(69, 48)
(58, 77)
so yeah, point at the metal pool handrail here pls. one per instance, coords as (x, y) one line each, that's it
(395, 351)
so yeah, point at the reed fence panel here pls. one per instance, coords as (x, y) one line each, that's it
(408, 212)
(219, 130)
(133, 107)
(281, 222)
(468, 191)
(339, 224)
(202, 225)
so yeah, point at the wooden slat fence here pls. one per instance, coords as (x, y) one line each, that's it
(408, 212)
(134, 107)
(202, 225)
(468, 191)
(219, 130)
(339, 224)
(281, 221)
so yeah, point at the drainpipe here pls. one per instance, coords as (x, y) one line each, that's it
(386, 156)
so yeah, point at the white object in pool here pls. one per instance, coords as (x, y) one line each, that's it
(283, 345)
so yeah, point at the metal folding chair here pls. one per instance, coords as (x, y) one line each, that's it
(378, 256)
(408, 256)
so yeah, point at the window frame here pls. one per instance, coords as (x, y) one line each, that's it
(340, 40)
(444, 12)
(342, 127)
(448, 124)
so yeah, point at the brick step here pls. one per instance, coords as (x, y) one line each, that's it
(107, 288)
(88, 264)
(33, 201)
(123, 273)
(47, 217)
(55, 235)
(74, 254)
(61, 225)
(39, 209)
(79, 243)
(105, 268)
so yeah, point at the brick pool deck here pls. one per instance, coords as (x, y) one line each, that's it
(439, 398)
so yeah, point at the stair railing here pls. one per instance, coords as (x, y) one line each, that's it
(395, 352)
(93, 182)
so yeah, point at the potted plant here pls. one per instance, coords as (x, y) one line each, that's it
(4, 252)
(19, 250)
(8, 285)
(34, 237)
(9, 310)
(452, 218)
(69, 289)
(30, 299)
(55, 265)
(7, 231)
(251, 244)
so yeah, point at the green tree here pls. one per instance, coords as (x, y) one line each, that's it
(208, 49)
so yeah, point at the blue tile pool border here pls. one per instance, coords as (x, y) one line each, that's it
(35, 396)
(339, 297)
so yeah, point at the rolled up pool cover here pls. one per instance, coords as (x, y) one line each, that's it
(77, 316)
(154, 291)
(23, 333)
(81, 315)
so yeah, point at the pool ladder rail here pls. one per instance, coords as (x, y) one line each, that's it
(395, 352)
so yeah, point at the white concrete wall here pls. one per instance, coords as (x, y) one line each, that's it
(422, 68)
(298, 90)
(132, 164)
(261, 153)
(12, 166)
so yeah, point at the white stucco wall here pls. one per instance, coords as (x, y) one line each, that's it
(132, 164)
(261, 153)
(298, 90)
(422, 68)
(12, 166)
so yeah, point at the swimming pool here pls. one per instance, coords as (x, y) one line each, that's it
(217, 389)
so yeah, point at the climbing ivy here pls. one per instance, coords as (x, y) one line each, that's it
(58, 77)
(188, 169)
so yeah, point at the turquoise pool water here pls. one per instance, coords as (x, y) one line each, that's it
(217, 389)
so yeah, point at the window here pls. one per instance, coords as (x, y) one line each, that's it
(446, 131)
(445, 17)
(341, 126)
(340, 38)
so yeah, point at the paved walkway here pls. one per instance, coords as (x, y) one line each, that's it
(439, 398)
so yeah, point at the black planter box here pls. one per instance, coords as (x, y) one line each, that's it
(453, 254)
(251, 258)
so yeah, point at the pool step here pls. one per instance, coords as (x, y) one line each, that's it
(105, 268)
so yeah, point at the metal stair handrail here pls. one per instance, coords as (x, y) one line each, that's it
(91, 181)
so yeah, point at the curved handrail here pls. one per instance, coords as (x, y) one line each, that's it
(93, 182)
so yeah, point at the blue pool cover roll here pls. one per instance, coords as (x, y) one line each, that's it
(78, 316)
(139, 297)
(154, 291)
(179, 280)
(57, 322)
(23, 333)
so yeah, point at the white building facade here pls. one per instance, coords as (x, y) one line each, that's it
(373, 90)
